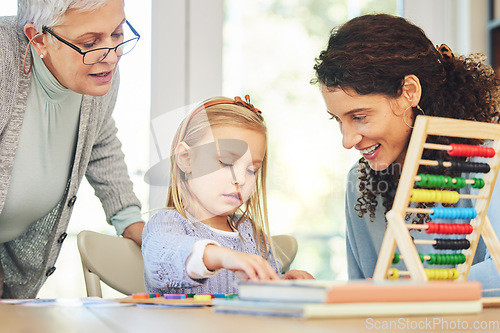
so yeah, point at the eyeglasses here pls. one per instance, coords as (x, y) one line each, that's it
(95, 56)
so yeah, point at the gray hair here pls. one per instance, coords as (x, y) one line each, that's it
(50, 12)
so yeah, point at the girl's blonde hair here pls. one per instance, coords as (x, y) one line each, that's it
(223, 111)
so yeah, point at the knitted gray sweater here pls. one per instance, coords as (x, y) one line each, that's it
(28, 260)
(167, 242)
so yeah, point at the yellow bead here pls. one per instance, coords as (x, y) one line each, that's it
(393, 274)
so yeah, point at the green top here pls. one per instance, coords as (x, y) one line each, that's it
(43, 160)
(30, 258)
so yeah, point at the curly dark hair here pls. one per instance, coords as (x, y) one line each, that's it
(372, 54)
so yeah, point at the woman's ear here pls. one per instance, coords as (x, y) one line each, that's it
(412, 90)
(37, 37)
(183, 159)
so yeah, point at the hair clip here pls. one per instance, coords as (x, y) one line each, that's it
(246, 103)
(445, 51)
(237, 101)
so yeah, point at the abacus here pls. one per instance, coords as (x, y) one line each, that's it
(443, 189)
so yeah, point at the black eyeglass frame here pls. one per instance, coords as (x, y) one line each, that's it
(46, 29)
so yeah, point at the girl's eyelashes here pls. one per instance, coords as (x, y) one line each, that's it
(223, 164)
(230, 164)
(251, 172)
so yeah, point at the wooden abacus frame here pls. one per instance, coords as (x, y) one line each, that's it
(397, 233)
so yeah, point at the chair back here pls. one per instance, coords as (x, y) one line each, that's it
(113, 260)
(285, 247)
(118, 262)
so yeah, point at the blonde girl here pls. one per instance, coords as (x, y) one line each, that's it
(215, 227)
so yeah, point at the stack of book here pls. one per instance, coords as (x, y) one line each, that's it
(361, 298)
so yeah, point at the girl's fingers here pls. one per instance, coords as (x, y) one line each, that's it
(249, 266)
(242, 275)
(249, 270)
(264, 270)
(296, 275)
(272, 273)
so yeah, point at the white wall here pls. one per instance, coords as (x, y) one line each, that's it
(186, 67)
(461, 24)
(186, 52)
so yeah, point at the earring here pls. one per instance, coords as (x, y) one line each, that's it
(41, 56)
(420, 109)
(184, 176)
(404, 113)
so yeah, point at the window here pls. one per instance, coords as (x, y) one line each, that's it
(269, 52)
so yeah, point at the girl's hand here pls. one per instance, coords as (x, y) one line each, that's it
(295, 274)
(245, 266)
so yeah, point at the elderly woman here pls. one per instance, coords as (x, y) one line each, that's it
(58, 87)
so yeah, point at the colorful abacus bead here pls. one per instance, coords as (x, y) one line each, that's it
(451, 244)
(458, 182)
(453, 213)
(395, 260)
(458, 166)
(393, 274)
(442, 273)
(448, 228)
(440, 181)
(470, 150)
(419, 195)
(446, 259)
(478, 183)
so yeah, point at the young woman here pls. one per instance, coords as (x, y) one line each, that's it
(214, 230)
(377, 74)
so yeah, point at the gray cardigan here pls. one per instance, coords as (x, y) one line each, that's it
(28, 260)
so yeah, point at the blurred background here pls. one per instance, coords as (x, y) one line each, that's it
(191, 50)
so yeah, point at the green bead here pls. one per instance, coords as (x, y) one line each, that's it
(462, 258)
(460, 182)
(439, 259)
(434, 181)
(432, 260)
(478, 183)
(448, 181)
(423, 180)
(395, 260)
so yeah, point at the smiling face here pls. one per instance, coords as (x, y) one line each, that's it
(102, 27)
(222, 173)
(372, 124)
